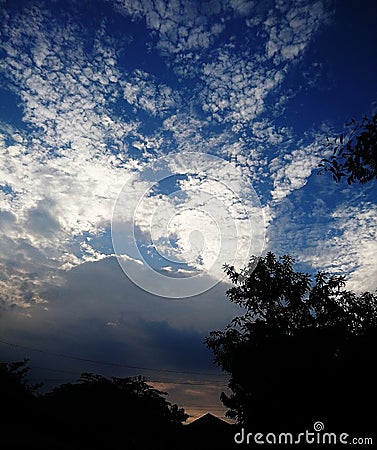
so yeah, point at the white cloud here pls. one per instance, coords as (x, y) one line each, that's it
(328, 227)
(141, 91)
(290, 27)
(61, 178)
(352, 247)
(291, 171)
(239, 79)
(180, 25)
(210, 216)
(236, 87)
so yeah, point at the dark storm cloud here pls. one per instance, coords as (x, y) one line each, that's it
(96, 312)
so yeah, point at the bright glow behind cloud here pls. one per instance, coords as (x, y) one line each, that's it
(209, 216)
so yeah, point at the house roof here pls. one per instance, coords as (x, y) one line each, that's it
(209, 421)
(208, 432)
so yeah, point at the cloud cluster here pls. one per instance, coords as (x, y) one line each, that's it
(91, 121)
(351, 246)
(293, 172)
(239, 80)
(326, 231)
(63, 173)
(207, 216)
(290, 29)
(180, 25)
(237, 87)
(142, 92)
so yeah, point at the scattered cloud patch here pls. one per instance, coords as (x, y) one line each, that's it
(293, 170)
(179, 25)
(352, 249)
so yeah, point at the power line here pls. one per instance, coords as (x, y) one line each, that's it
(56, 370)
(154, 380)
(150, 380)
(187, 383)
(195, 407)
(190, 383)
(106, 363)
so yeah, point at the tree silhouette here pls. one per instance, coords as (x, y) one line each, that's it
(13, 381)
(107, 412)
(94, 412)
(354, 156)
(18, 403)
(303, 350)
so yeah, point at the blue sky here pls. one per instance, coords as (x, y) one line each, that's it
(156, 140)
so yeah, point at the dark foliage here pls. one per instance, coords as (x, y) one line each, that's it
(95, 412)
(18, 404)
(13, 381)
(104, 410)
(355, 155)
(304, 350)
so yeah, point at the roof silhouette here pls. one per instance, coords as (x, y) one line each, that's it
(208, 420)
(208, 432)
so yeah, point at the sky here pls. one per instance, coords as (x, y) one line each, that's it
(146, 143)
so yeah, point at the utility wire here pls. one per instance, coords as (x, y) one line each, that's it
(188, 383)
(150, 380)
(106, 363)
(213, 408)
